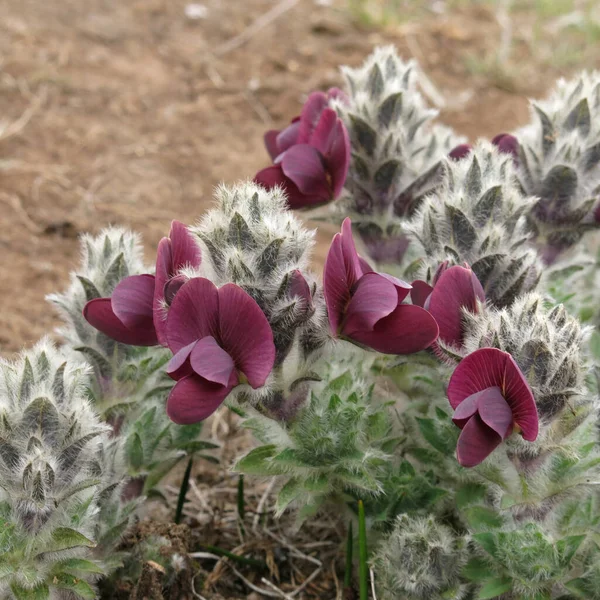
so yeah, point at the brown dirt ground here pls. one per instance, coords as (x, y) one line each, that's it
(136, 113)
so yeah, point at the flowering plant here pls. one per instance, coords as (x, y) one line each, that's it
(456, 410)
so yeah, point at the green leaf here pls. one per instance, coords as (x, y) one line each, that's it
(135, 451)
(258, 461)
(494, 588)
(41, 592)
(488, 542)
(196, 446)
(579, 587)
(98, 361)
(477, 569)
(65, 581)
(65, 538)
(78, 565)
(481, 517)
(158, 472)
(470, 493)
(567, 547)
(433, 435)
(289, 492)
(90, 290)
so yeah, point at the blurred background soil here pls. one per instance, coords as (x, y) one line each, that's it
(130, 112)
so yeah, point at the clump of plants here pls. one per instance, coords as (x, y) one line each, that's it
(430, 386)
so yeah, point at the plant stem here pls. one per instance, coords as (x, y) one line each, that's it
(185, 484)
(240, 499)
(363, 567)
(258, 564)
(348, 572)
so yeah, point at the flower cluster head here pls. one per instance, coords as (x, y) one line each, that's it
(366, 307)
(491, 398)
(421, 559)
(311, 155)
(396, 150)
(454, 290)
(133, 314)
(477, 216)
(505, 142)
(559, 162)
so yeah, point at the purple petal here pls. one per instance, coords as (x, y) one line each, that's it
(338, 157)
(322, 137)
(407, 330)
(193, 399)
(466, 409)
(311, 113)
(299, 287)
(304, 165)
(488, 367)
(335, 93)
(271, 143)
(508, 144)
(402, 287)
(164, 260)
(287, 138)
(179, 366)
(245, 334)
(495, 412)
(420, 292)
(194, 313)
(172, 286)
(186, 252)
(375, 297)
(273, 176)
(132, 301)
(457, 288)
(342, 270)
(211, 362)
(460, 151)
(99, 314)
(476, 442)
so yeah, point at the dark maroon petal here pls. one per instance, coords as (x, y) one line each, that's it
(186, 252)
(488, 367)
(245, 334)
(193, 399)
(194, 313)
(495, 412)
(374, 298)
(211, 362)
(354, 264)
(304, 165)
(271, 177)
(443, 266)
(407, 330)
(338, 157)
(274, 176)
(179, 366)
(132, 301)
(99, 314)
(476, 442)
(298, 286)
(271, 143)
(323, 135)
(466, 409)
(164, 260)
(460, 151)
(287, 137)
(172, 286)
(420, 292)
(402, 287)
(457, 288)
(311, 113)
(508, 144)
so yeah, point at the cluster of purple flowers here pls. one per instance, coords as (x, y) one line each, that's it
(221, 338)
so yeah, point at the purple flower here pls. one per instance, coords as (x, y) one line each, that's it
(491, 398)
(311, 156)
(127, 316)
(454, 289)
(175, 252)
(134, 313)
(366, 307)
(220, 338)
(506, 143)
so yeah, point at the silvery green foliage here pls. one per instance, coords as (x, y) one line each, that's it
(52, 483)
(335, 444)
(476, 216)
(396, 149)
(421, 559)
(560, 162)
(129, 387)
(252, 240)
